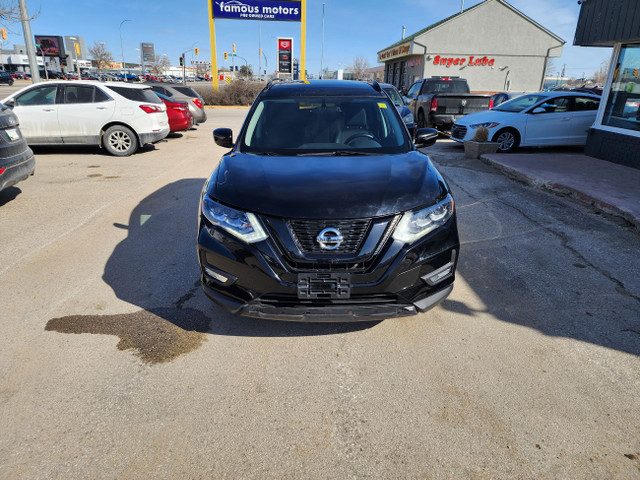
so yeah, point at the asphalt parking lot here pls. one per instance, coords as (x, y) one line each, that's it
(114, 364)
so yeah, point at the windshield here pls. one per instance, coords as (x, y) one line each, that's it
(394, 95)
(325, 126)
(521, 103)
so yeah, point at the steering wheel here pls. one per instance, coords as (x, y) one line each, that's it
(361, 135)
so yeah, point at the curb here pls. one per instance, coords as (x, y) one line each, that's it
(562, 189)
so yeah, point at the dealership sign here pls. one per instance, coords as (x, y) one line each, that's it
(461, 61)
(280, 10)
(285, 50)
(148, 53)
(394, 52)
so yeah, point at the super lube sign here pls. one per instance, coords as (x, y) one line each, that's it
(279, 10)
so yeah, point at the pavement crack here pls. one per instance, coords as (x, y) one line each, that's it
(564, 239)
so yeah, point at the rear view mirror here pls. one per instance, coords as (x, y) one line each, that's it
(223, 137)
(425, 137)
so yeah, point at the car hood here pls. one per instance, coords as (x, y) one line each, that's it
(486, 116)
(326, 187)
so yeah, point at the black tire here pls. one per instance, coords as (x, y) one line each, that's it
(120, 141)
(507, 139)
(421, 122)
(11, 82)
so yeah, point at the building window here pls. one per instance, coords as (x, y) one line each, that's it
(623, 105)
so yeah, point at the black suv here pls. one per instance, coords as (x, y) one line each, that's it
(5, 77)
(324, 210)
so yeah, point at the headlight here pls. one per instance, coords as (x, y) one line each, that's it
(415, 225)
(408, 118)
(485, 124)
(243, 225)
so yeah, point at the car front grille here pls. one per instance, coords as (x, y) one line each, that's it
(305, 233)
(458, 131)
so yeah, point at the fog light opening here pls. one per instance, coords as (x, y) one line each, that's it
(439, 274)
(215, 275)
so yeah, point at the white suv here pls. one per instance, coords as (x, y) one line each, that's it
(119, 117)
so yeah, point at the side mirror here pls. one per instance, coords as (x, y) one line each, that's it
(425, 137)
(406, 100)
(10, 103)
(538, 110)
(223, 137)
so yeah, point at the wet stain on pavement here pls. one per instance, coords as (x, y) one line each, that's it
(156, 336)
(112, 176)
(94, 175)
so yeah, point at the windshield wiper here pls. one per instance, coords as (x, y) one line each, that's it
(335, 153)
(264, 154)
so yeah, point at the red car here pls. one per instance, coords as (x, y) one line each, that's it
(178, 112)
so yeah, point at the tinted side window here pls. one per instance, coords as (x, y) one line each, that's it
(45, 95)
(586, 103)
(100, 96)
(413, 91)
(78, 94)
(136, 94)
(556, 105)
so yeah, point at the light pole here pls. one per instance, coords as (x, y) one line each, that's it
(322, 51)
(266, 65)
(124, 65)
(76, 52)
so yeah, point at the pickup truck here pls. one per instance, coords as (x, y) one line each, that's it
(437, 102)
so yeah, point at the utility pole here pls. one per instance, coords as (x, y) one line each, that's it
(322, 49)
(260, 51)
(28, 41)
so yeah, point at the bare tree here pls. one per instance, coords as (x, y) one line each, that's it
(245, 72)
(359, 67)
(552, 69)
(102, 57)
(159, 64)
(600, 76)
(10, 11)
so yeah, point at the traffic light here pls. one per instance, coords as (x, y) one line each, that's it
(77, 45)
(181, 61)
(3, 33)
(226, 56)
(197, 51)
(234, 48)
(260, 54)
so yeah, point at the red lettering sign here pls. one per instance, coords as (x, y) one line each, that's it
(473, 61)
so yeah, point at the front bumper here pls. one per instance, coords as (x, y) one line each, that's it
(261, 280)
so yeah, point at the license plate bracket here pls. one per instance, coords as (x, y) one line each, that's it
(324, 285)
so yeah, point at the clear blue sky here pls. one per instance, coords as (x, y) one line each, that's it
(352, 28)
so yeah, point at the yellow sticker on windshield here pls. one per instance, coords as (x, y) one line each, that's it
(382, 105)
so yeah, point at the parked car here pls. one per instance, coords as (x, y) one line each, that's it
(180, 117)
(501, 97)
(16, 158)
(6, 77)
(534, 120)
(118, 117)
(403, 110)
(182, 93)
(324, 209)
(438, 101)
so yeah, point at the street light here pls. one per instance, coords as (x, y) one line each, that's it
(124, 65)
(322, 50)
(76, 52)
